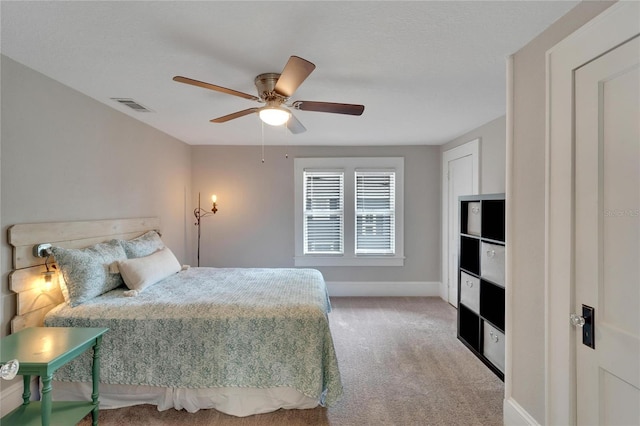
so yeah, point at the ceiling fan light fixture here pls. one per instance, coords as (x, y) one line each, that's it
(274, 115)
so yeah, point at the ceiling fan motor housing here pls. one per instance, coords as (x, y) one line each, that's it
(266, 84)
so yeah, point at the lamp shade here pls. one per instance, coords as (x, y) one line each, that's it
(274, 115)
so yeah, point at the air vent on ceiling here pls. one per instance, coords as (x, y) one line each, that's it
(132, 104)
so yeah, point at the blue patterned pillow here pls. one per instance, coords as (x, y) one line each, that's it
(142, 246)
(86, 271)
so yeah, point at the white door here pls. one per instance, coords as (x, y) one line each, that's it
(594, 41)
(607, 235)
(458, 178)
(460, 183)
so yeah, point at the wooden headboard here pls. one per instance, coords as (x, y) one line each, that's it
(33, 299)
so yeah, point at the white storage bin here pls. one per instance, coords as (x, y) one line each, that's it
(492, 263)
(470, 292)
(493, 345)
(474, 216)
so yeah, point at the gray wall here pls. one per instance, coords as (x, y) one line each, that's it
(254, 226)
(527, 204)
(68, 157)
(493, 138)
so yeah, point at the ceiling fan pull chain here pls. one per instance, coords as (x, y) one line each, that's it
(262, 126)
(286, 140)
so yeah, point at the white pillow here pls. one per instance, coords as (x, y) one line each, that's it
(142, 272)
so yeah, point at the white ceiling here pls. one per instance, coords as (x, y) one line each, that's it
(427, 72)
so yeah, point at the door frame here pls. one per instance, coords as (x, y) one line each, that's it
(469, 148)
(614, 26)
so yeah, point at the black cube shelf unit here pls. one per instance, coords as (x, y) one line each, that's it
(481, 279)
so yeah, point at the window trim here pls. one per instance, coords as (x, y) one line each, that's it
(349, 165)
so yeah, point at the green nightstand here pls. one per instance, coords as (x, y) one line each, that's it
(41, 351)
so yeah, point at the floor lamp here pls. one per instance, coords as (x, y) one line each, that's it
(199, 213)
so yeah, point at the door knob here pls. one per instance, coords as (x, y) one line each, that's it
(576, 320)
(586, 321)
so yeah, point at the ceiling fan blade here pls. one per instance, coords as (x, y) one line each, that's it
(292, 76)
(238, 114)
(336, 108)
(294, 125)
(210, 86)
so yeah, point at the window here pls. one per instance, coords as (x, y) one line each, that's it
(349, 211)
(375, 212)
(323, 212)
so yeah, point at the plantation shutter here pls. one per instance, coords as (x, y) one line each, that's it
(375, 212)
(323, 212)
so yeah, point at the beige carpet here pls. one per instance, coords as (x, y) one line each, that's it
(401, 364)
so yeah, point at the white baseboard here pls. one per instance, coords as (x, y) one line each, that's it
(11, 396)
(515, 415)
(383, 288)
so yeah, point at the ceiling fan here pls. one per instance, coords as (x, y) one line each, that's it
(274, 90)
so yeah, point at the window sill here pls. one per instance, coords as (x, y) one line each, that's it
(349, 261)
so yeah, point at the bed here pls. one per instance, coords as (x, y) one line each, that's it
(240, 340)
